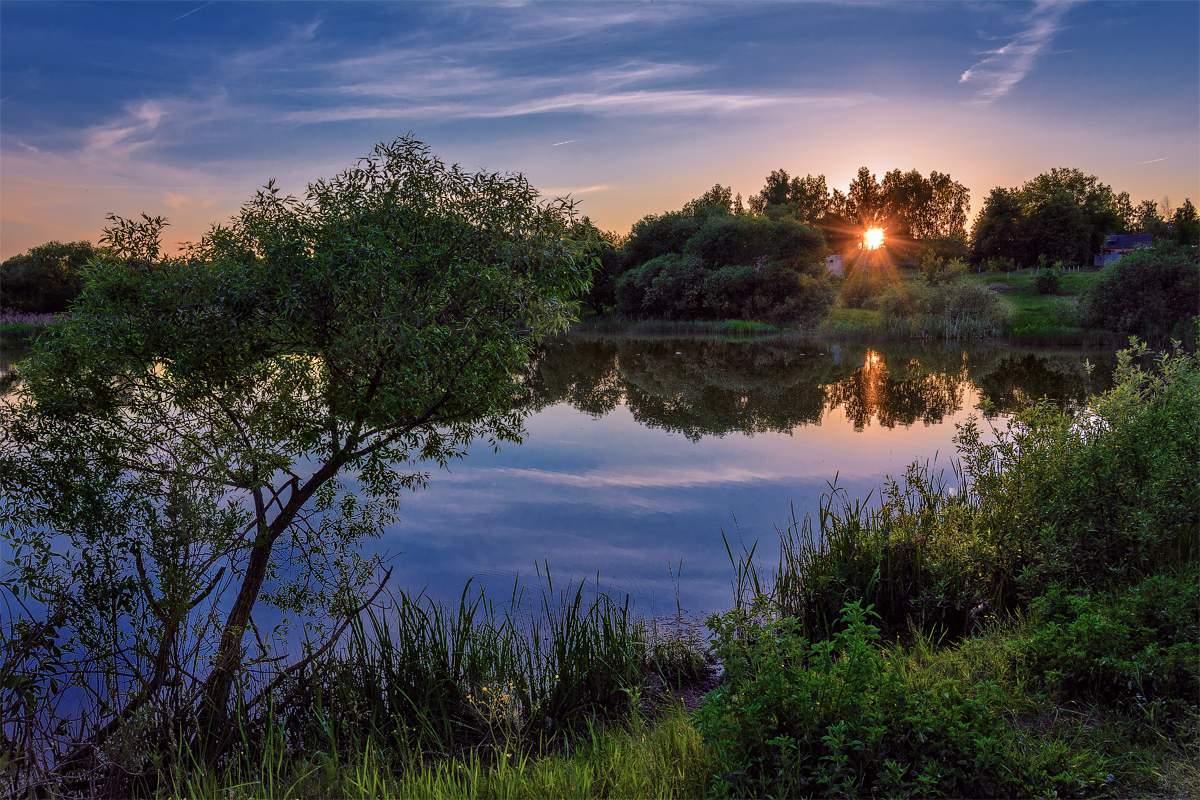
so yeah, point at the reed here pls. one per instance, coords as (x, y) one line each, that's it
(418, 676)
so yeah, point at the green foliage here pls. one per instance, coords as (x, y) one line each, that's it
(604, 249)
(869, 276)
(843, 717)
(1049, 281)
(936, 269)
(46, 279)
(423, 678)
(727, 240)
(953, 310)
(658, 235)
(663, 759)
(1185, 225)
(1101, 496)
(679, 287)
(1140, 644)
(1152, 293)
(1062, 214)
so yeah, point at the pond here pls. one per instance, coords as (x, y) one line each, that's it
(643, 453)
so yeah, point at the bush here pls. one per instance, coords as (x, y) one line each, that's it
(845, 718)
(1150, 293)
(728, 240)
(945, 311)
(937, 270)
(667, 287)
(1002, 264)
(678, 287)
(1049, 280)
(659, 234)
(1143, 643)
(45, 279)
(783, 295)
(1098, 497)
(868, 276)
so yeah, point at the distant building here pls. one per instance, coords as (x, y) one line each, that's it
(1118, 245)
(834, 265)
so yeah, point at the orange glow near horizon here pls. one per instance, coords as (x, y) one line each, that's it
(873, 238)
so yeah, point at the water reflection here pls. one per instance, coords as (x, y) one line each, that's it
(708, 387)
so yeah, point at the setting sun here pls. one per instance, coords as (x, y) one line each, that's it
(873, 238)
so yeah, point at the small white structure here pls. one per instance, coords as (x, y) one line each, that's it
(835, 266)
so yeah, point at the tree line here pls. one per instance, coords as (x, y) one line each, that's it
(722, 257)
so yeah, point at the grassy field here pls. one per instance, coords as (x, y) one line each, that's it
(1033, 318)
(1043, 318)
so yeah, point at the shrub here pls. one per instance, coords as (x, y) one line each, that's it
(868, 276)
(1143, 643)
(667, 287)
(937, 270)
(727, 240)
(783, 295)
(659, 234)
(999, 264)
(843, 717)
(728, 291)
(945, 311)
(1049, 280)
(678, 287)
(1150, 293)
(1104, 495)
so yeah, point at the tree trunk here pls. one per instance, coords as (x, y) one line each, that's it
(213, 729)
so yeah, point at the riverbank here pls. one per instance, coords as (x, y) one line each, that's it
(1031, 318)
(1035, 634)
(18, 328)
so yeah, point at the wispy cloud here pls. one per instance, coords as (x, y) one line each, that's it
(1003, 68)
(1153, 160)
(559, 191)
(187, 14)
(661, 102)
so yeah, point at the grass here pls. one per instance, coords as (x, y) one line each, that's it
(660, 759)
(851, 323)
(1033, 318)
(1044, 318)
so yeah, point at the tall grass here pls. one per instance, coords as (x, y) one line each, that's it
(663, 759)
(418, 675)
(545, 696)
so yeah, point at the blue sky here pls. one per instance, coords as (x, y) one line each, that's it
(183, 109)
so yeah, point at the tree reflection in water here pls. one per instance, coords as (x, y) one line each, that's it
(712, 386)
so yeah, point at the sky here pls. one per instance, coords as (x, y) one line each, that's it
(184, 109)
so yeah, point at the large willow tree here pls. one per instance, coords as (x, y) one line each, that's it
(215, 431)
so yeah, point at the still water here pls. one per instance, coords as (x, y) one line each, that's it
(641, 453)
